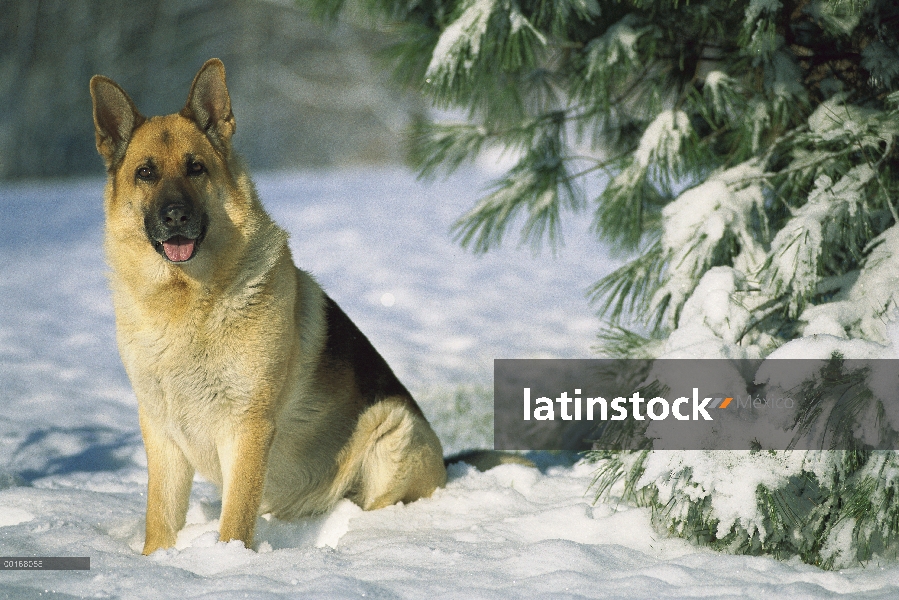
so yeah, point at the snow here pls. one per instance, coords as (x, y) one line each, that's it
(834, 119)
(693, 227)
(460, 43)
(797, 247)
(716, 87)
(863, 306)
(73, 472)
(662, 140)
(712, 320)
(519, 23)
(618, 45)
(731, 491)
(461, 39)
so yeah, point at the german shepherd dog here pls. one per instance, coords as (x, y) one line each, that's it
(245, 371)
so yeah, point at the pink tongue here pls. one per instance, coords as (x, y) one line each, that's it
(178, 249)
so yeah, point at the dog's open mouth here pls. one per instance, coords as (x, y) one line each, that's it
(179, 248)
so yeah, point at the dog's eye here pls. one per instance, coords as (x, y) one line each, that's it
(145, 173)
(195, 168)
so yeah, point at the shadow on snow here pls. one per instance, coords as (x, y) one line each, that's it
(97, 449)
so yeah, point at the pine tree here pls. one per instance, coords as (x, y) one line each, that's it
(747, 156)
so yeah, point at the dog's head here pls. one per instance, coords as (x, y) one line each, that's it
(163, 170)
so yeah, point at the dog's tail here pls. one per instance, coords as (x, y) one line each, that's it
(484, 460)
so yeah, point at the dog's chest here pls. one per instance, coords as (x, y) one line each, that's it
(185, 373)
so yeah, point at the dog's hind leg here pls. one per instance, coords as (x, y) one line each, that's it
(393, 456)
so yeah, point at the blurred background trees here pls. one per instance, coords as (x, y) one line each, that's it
(313, 96)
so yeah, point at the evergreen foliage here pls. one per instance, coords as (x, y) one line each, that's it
(746, 151)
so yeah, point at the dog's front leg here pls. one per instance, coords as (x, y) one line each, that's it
(168, 488)
(244, 459)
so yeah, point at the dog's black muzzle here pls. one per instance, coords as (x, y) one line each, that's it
(176, 229)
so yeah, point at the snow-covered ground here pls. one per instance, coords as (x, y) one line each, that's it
(72, 470)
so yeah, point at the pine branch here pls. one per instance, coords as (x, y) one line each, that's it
(539, 186)
(626, 292)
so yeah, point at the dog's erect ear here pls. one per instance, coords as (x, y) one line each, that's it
(115, 119)
(209, 104)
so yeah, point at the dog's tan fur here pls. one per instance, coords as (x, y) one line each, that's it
(244, 370)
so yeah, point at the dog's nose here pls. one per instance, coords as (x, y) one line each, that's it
(175, 214)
